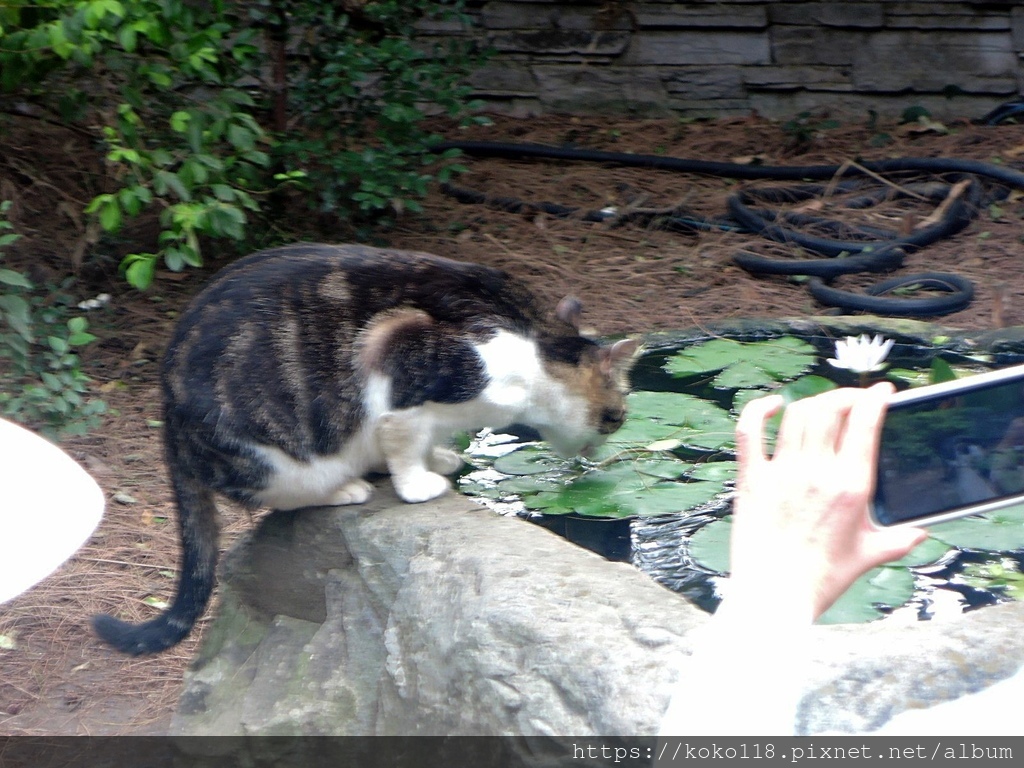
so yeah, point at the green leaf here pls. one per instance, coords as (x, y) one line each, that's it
(525, 461)
(57, 344)
(709, 545)
(744, 364)
(179, 121)
(110, 215)
(18, 314)
(880, 586)
(128, 38)
(1000, 531)
(805, 386)
(717, 471)
(140, 271)
(241, 137)
(15, 279)
(597, 495)
(941, 371)
(81, 339)
(928, 552)
(690, 419)
(743, 373)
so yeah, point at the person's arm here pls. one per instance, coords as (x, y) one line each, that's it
(801, 536)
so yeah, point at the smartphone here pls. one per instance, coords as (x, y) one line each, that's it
(952, 449)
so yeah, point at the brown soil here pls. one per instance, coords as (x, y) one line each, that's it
(59, 680)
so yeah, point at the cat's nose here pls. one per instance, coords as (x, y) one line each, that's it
(611, 419)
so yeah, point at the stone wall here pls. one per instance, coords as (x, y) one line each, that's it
(444, 618)
(720, 57)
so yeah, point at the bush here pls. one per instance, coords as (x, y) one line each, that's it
(372, 71)
(175, 92)
(43, 386)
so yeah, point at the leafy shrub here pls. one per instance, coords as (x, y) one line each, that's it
(44, 385)
(175, 91)
(373, 72)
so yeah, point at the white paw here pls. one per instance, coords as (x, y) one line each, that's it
(353, 492)
(444, 461)
(421, 486)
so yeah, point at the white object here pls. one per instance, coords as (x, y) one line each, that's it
(861, 354)
(49, 506)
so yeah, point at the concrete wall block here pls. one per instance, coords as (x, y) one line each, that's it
(789, 78)
(1017, 28)
(785, 104)
(562, 42)
(815, 45)
(712, 48)
(508, 79)
(703, 83)
(518, 15)
(974, 62)
(535, 16)
(686, 15)
(866, 15)
(582, 88)
(974, 22)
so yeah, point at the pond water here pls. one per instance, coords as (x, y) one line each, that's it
(659, 494)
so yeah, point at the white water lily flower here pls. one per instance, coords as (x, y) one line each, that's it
(861, 354)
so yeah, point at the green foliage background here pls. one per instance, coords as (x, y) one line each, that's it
(205, 110)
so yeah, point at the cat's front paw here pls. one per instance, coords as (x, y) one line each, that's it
(444, 461)
(356, 491)
(421, 486)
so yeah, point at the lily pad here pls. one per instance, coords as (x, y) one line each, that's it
(886, 586)
(720, 471)
(805, 386)
(709, 546)
(928, 552)
(529, 460)
(1002, 574)
(744, 364)
(1000, 531)
(689, 419)
(606, 495)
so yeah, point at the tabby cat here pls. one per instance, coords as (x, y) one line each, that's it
(300, 369)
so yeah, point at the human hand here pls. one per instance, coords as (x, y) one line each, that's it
(801, 517)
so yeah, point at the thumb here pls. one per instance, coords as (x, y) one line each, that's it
(889, 544)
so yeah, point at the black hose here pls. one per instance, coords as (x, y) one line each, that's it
(1010, 110)
(933, 165)
(957, 217)
(871, 250)
(960, 293)
(885, 259)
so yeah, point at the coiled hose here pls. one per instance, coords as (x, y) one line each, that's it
(862, 250)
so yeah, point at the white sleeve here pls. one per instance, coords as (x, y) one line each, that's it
(746, 676)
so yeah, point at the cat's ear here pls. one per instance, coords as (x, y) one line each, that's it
(618, 359)
(570, 310)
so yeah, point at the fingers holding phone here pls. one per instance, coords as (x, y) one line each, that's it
(803, 510)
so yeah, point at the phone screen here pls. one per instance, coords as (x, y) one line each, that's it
(952, 453)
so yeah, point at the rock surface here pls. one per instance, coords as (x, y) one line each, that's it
(444, 618)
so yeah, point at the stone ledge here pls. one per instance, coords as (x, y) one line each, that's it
(444, 618)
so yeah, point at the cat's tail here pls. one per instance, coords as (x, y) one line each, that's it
(197, 517)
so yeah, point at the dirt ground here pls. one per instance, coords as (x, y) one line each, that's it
(58, 679)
